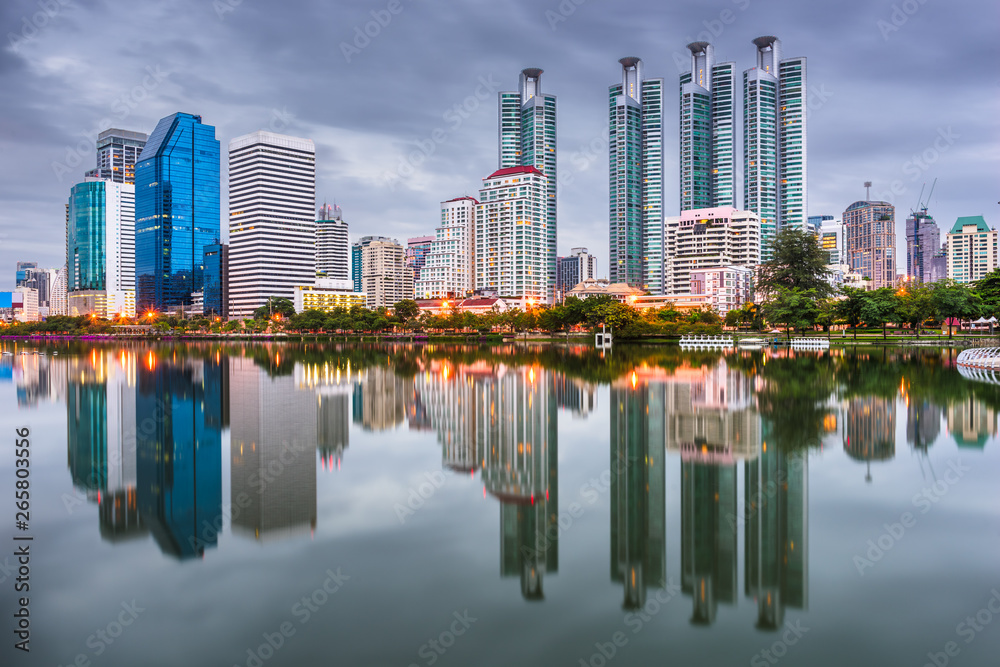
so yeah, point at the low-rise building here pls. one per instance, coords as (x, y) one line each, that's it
(326, 295)
(621, 291)
(727, 287)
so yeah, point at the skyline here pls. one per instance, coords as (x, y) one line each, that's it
(362, 148)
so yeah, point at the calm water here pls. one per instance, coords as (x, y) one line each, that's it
(418, 505)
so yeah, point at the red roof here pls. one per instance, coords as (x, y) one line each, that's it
(462, 199)
(479, 302)
(509, 171)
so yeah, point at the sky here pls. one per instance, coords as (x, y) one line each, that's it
(400, 97)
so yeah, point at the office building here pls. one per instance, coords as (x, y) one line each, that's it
(831, 240)
(527, 137)
(971, 249)
(327, 294)
(635, 154)
(117, 152)
(448, 271)
(417, 250)
(385, 277)
(870, 241)
(215, 299)
(814, 224)
(774, 141)
(57, 293)
(707, 131)
(332, 244)
(176, 211)
(709, 238)
(29, 304)
(923, 243)
(100, 249)
(573, 270)
(512, 235)
(24, 272)
(356, 249)
(272, 230)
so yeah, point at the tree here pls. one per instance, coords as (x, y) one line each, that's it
(850, 307)
(797, 263)
(879, 308)
(792, 307)
(406, 310)
(955, 300)
(916, 305)
(988, 290)
(275, 305)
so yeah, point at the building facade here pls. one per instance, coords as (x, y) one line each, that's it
(971, 249)
(527, 138)
(710, 238)
(385, 277)
(512, 235)
(774, 141)
(356, 250)
(707, 131)
(728, 287)
(177, 211)
(831, 240)
(923, 243)
(635, 156)
(448, 271)
(327, 294)
(870, 241)
(332, 244)
(215, 298)
(117, 152)
(272, 231)
(100, 249)
(580, 265)
(417, 250)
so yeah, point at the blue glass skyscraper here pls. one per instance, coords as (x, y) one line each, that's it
(176, 211)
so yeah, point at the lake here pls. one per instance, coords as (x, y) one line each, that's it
(306, 504)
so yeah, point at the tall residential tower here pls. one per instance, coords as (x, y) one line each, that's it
(527, 136)
(635, 153)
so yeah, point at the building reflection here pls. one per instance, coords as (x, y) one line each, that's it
(638, 494)
(179, 450)
(331, 383)
(575, 395)
(870, 433)
(272, 452)
(776, 533)
(971, 422)
(380, 399)
(923, 423)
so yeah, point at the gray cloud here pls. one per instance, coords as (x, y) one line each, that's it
(240, 62)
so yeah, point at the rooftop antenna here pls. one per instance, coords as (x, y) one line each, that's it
(868, 188)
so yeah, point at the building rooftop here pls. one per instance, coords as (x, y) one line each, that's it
(510, 171)
(976, 220)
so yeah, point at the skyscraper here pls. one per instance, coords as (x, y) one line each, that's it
(870, 241)
(972, 249)
(385, 277)
(512, 235)
(635, 153)
(448, 271)
(216, 296)
(117, 152)
(580, 265)
(100, 249)
(707, 131)
(176, 211)
(24, 272)
(527, 137)
(923, 242)
(417, 250)
(356, 249)
(272, 231)
(774, 141)
(332, 244)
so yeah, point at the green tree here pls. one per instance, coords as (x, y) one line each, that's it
(916, 305)
(406, 310)
(955, 300)
(792, 307)
(879, 308)
(988, 290)
(797, 263)
(850, 307)
(275, 305)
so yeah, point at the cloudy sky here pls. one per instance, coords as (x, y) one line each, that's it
(405, 116)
